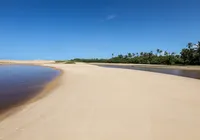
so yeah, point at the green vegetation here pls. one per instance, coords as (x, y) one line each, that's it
(188, 56)
(60, 61)
(65, 61)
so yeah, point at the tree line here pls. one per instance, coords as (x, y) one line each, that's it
(190, 55)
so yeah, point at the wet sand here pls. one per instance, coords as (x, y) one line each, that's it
(181, 67)
(173, 71)
(95, 103)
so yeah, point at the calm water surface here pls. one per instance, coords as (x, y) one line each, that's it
(20, 82)
(179, 72)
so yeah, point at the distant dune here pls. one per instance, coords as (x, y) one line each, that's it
(27, 61)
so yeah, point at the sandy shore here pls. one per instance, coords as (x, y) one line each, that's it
(187, 67)
(26, 62)
(95, 103)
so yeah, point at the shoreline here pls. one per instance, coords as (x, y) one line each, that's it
(48, 87)
(105, 103)
(187, 67)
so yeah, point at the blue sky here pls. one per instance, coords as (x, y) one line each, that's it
(62, 29)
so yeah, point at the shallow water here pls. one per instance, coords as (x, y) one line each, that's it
(21, 82)
(179, 72)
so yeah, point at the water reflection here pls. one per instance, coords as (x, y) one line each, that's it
(20, 82)
(179, 72)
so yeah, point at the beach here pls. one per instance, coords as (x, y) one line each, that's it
(181, 67)
(96, 103)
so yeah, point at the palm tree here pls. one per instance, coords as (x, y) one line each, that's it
(198, 52)
(129, 55)
(158, 51)
(125, 56)
(166, 53)
(198, 47)
(190, 45)
(120, 56)
(173, 53)
(185, 54)
(145, 54)
(198, 44)
(133, 54)
(112, 55)
(150, 54)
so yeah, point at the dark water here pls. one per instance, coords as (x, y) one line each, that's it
(179, 72)
(21, 82)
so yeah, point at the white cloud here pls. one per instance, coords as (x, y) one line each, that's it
(110, 17)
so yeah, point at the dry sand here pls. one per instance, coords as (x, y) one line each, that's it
(95, 103)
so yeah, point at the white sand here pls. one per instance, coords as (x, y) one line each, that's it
(94, 103)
